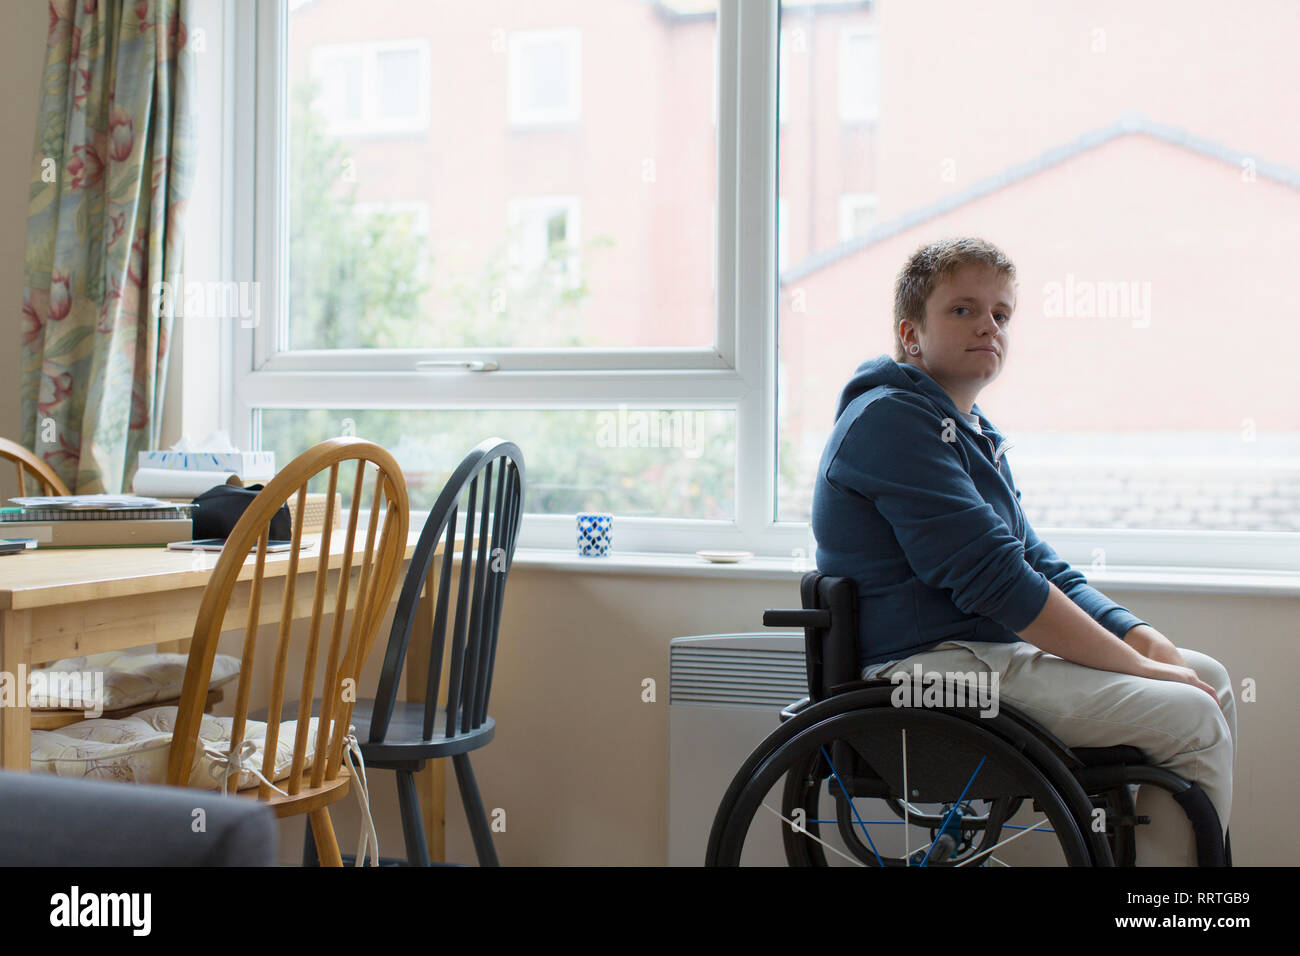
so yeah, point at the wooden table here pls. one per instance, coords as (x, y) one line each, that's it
(69, 602)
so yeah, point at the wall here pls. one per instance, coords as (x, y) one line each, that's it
(579, 762)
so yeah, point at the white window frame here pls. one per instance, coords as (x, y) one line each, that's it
(783, 81)
(520, 207)
(782, 234)
(850, 203)
(571, 112)
(738, 372)
(371, 124)
(849, 111)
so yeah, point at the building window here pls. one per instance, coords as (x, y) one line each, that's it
(544, 236)
(859, 74)
(545, 80)
(366, 89)
(857, 215)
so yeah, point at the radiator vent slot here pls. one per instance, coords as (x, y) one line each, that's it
(741, 677)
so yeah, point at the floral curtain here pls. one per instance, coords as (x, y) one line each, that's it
(110, 179)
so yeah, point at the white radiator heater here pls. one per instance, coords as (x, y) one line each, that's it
(725, 695)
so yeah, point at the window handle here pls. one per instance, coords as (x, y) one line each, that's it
(469, 365)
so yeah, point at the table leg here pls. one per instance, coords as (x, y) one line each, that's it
(430, 783)
(15, 665)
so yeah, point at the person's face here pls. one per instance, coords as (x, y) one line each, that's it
(964, 342)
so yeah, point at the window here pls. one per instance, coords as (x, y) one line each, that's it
(369, 89)
(859, 74)
(857, 215)
(574, 286)
(544, 235)
(1133, 442)
(472, 281)
(545, 77)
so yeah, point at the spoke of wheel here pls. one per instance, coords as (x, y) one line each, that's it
(956, 805)
(804, 831)
(907, 854)
(843, 789)
(989, 851)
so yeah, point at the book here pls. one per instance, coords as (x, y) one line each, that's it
(100, 534)
(91, 502)
(87, 514)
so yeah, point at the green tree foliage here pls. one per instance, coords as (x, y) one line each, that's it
(353, 278)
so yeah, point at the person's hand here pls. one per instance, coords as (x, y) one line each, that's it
(1150, 643)
(1174, 672)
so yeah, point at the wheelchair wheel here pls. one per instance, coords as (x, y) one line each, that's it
(963, 785)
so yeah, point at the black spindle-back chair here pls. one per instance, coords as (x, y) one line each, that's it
(482, 503)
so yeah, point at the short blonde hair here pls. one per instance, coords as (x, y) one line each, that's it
(930, 265)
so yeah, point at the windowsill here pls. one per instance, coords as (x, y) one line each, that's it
(1162, 579)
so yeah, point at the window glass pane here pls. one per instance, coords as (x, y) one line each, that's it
(859, 75)
(338, 77)
(665, 463)
(1150, 381)
(625, 261)
(399, 83)
(544, 76)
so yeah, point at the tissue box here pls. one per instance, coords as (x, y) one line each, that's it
(249, 465)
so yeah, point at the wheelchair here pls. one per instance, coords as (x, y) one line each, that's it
(952, 771)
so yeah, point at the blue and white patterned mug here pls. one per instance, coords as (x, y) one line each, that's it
(594, 534)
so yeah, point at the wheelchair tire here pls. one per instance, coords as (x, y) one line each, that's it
(803, 786)
(795, 749)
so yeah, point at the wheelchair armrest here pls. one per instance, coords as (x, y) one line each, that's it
(792, 618)
(790, 710)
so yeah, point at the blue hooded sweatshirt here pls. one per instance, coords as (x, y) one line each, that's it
(915, 501)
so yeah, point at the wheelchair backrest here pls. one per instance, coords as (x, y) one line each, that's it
(831, 652)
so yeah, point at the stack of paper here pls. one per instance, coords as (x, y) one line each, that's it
(93, 502)
(79, 521)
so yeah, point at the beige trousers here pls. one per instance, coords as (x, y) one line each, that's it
(1177, 726)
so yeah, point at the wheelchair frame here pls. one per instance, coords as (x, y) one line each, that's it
(1081, 779)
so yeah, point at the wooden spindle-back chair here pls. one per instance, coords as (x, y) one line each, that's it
(47, 481)
(375, 570)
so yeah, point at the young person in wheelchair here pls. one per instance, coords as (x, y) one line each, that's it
(916, 503)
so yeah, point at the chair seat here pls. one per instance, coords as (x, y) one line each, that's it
(1108, 756)
(130, 679)
(405, 737)
(404, 740)
(135, 749)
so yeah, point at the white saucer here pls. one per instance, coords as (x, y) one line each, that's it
(725, 557)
